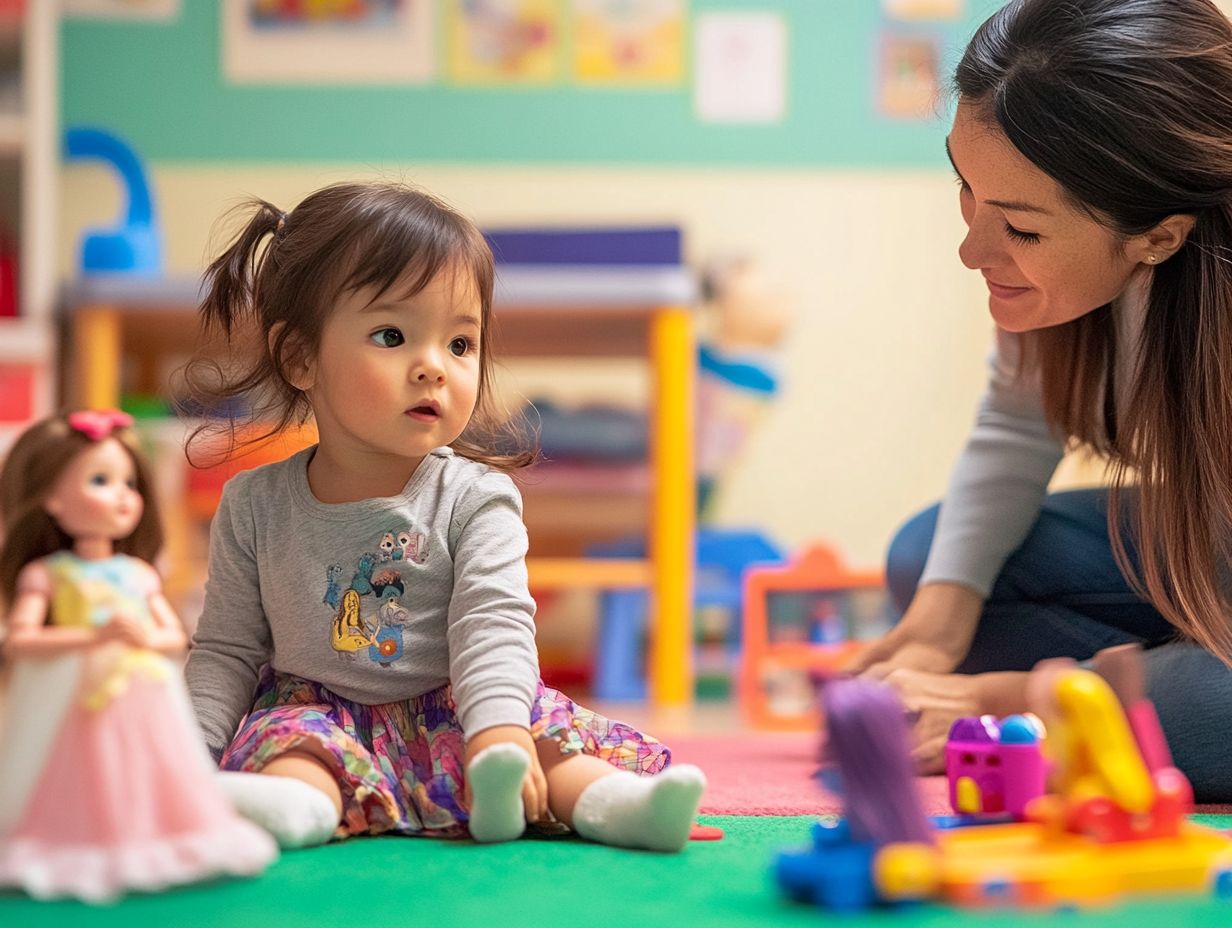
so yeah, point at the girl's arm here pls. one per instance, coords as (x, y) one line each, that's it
(232, 640)
(493, 661)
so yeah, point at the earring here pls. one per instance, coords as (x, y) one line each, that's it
(1151, 259)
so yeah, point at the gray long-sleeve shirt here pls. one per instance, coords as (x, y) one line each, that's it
(999, 482)
(379, 600)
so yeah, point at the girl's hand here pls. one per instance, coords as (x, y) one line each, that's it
(534, 786)
(934, 634)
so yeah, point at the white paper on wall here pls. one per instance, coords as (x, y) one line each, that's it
(740, 67)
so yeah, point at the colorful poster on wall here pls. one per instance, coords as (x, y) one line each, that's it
(120, 9)
(740, 67)
(629, 41)
(908, 84)
(504, 41)
(328, 41)
(923, 9)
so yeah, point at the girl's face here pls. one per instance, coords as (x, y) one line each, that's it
(96, 495)
(397, 376)
(1044, 262)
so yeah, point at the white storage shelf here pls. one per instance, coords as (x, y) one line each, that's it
(29, 163)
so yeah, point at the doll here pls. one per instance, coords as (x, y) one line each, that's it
(105, 785)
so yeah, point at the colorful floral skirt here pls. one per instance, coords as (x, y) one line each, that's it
(400, 765)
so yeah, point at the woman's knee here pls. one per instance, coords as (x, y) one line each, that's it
(907, 555)
(1192, 692)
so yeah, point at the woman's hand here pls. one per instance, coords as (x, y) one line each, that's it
(934, 634)
(534, 786)
(934, 700)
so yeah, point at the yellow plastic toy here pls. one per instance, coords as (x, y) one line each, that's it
(1109, 828)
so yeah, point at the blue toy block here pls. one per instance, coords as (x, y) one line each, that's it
(836, 873)
(722, 556)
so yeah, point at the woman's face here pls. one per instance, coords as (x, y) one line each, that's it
(1044, 262)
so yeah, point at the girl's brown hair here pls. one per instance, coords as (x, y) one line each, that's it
(1127, 104)
(283, 273)
(30, 473)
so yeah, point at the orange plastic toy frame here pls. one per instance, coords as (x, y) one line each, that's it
(818, 570)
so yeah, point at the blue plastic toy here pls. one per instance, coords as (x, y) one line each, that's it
(133, 246)
(723, 555)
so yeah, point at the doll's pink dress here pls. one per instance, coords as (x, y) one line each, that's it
(105, 785)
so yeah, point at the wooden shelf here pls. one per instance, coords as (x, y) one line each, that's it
(12, 134)
(23, 340)
(552, 573)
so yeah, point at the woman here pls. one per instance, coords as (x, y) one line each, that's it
(1093, 145)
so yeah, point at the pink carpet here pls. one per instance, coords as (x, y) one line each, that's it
(772, 774)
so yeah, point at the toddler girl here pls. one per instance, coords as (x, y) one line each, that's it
(371, 590)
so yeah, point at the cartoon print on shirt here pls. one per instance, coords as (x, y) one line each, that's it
(350, 632)
(361, 582)
(333, 592)
(414, 547)
(388, 550)
(389, 589)
(393, 616)
(381, 630)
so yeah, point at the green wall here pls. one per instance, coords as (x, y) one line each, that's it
(158, 84)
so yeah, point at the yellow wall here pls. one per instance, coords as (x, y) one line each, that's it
(884, 362)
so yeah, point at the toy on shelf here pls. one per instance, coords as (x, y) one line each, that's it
(132, 246)
(105, 785)
(1109, 825)
(738, 362)
(995, 767)
(802, 620)
(723, 557)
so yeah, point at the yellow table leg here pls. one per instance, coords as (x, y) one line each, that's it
(96, 357)
(673, 358)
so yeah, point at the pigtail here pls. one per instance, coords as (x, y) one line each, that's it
(235, 288)
(231, 279)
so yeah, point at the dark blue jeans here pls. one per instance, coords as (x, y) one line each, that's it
(1061, 594)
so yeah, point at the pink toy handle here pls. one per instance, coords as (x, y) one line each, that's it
(97, 424)
(1149, 734)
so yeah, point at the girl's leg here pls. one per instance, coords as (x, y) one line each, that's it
(494, 777)
(617, 807)
(1060, 594)
(295, 798)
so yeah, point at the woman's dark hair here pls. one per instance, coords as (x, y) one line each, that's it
(284, 272)
(1127, 105)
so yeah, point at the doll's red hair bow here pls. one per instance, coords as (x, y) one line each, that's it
(97, 424)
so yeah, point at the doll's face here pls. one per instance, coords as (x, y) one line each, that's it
(96, 495)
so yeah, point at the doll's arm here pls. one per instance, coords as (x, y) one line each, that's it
(167, 635)
(28, 632)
